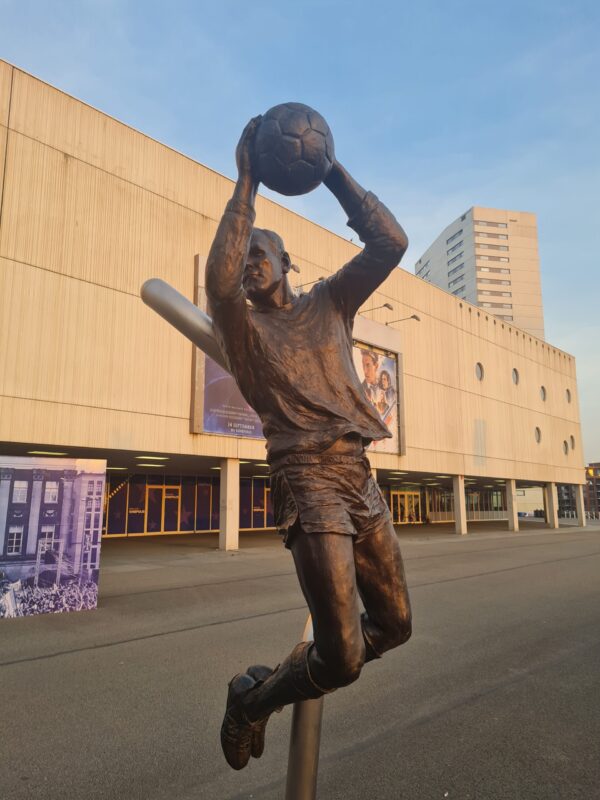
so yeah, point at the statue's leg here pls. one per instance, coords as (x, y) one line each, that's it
(325, 567)
(381, 583)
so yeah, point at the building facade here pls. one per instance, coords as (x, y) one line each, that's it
(489, 257)
(480, 408)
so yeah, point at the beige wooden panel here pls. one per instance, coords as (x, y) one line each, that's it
(71, 218)
(3, 141)
(72, 342)
(6, 73)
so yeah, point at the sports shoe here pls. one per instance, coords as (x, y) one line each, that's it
(260, 673)
(237, 731)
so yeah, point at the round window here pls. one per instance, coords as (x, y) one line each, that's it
(479, 371)
(572, 443)
(543, 394)
(538, 435)
(565, 447)
(568, 395)
(515, 376)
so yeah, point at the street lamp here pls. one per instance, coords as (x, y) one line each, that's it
(389, 306)
(412, 316)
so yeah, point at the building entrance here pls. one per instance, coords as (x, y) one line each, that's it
(406, 507)
(162, 508)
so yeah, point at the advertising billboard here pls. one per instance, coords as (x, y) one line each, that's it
(50, 533)
(378, 371)
(225, 410)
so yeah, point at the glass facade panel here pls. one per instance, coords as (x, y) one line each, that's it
(188, 498)
(246, 503)
(154, 510)
(203, 491)
(137, 504)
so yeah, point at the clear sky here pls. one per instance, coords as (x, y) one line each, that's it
(436, 106)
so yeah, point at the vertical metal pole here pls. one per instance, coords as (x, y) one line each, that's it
(305, 739)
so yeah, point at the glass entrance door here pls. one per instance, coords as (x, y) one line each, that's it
(406, 507)
(162, 509)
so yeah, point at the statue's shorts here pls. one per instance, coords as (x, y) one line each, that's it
(326, 494)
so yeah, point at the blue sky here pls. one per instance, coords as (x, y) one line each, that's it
(436, 106)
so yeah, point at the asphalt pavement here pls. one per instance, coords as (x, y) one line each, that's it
(495, 696)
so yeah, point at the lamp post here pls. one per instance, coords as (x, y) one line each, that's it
(389, 306)
(412, 316)
(309, 283)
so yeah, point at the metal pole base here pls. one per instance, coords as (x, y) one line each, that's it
(303, 763)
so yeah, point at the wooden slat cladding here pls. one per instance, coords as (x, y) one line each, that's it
(6, 74)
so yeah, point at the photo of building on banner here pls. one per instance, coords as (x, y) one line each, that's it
(378, 371)
(225, 410)
(50, 532)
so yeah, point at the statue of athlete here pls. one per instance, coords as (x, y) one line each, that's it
(291, 356)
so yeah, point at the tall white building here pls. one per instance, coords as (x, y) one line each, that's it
(489, 257)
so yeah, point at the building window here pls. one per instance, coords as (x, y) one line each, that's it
(20, 492)
(565, 447)
(51, 492)
(90, 489)
(454, 248)
(460, 289)
(454, 236)
(456, 269)
(14, 542)
(568, 395)
(572, 439)
(457, 280)
(538, 435)
(543, 394)
(452, 260)
(479, 371)
(515, 376)
(489, 224)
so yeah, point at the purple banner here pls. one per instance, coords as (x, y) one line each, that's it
(225, 410)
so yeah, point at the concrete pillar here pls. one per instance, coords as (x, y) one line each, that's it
(5, 481)
(460, 506)
(229, 505)
(512, 505)
(551, 505)
(33, 526)
(580, 506)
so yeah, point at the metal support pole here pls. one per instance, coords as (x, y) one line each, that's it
(305, 739)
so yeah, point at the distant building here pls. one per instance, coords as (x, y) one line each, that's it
(489, 257)
(592, 488)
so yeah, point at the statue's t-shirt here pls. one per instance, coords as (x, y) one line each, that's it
(294, 364)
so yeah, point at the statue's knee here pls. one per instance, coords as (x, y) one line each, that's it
(400, 632)
(344, 667)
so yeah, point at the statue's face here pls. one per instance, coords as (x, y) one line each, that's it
(265, 268)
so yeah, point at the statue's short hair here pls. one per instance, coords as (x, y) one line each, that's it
(275, 238)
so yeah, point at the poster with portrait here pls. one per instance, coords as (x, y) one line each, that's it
(50, 533)
(225, 410)
(378, 371)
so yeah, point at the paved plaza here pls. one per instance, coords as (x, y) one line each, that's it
(497, 694)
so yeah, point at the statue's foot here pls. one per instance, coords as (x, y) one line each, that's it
(237, 731)
(260, 673)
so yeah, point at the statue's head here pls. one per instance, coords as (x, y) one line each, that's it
(265, 275)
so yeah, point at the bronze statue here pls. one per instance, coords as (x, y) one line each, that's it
(291, 355)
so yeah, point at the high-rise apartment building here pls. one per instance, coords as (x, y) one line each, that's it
(489, 257)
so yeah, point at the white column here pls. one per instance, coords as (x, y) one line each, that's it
(580, 506)
(551, 505)
(229, 505)
(460, 506)
(512, 505)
